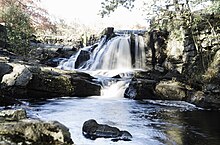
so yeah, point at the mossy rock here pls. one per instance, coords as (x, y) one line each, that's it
(46, 83)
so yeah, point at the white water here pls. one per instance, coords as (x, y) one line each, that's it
(111, 55)
(139, 52)
(111, 58)
(149, 122)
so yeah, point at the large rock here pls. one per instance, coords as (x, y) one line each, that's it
(83, 56)
(20, 76)
(35, 81)
(16, 128)
(145, 84)
(171, 90)
(5, 69)
(48, 82)
(208, 100)
(141, 89)
(92, 130)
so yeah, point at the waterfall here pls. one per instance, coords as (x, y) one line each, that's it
(109, 58)
(140, 58)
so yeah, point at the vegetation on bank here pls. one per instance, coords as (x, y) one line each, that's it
(24, 21)
(24, 18)
(21, 19)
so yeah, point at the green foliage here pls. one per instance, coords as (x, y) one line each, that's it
(111, 5)
(215, 7)
(18, 27)
(155, 7)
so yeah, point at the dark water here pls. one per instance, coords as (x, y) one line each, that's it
(150, 122)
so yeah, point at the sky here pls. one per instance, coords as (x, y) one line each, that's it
(86, 12)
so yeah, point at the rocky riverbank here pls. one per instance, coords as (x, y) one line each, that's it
(17, 128)
(22, 80)
(181, 65)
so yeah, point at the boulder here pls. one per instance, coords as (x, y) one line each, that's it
(171, 90)
(16, 128)
(46, 82)
(139, 89)
(83, 56)
(20, 76)
(49, 83)
(5, 69)
(13, 115)
(92, 130)
(204, 100)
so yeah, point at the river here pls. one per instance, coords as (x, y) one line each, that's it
(149, 122)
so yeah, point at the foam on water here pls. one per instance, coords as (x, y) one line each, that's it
(110, 54)
(111, 58)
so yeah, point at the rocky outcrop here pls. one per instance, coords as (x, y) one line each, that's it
(50, 55)
(16, 128)
(190, 48)
(139, 89)
(154, 84)
(4, 69)
(171, 90)
(83, 56)
(92, 130)
(35, 81)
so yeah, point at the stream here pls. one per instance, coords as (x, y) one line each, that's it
(149, 122)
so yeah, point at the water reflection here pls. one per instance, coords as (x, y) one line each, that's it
(150, 122)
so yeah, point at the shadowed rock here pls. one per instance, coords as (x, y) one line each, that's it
(92, 130)
(4, 69)
(8, 101)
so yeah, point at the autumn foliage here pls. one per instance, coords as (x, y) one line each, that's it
(39, 17)
(22, 18)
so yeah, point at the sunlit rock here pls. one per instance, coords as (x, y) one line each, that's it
(46, 82)
(19, 77)
(13, 115)
(16, 128)
(171, 90)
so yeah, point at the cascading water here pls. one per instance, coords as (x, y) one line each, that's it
(109, 58)
(151, 122)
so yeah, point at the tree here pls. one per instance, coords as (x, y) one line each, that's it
(22, 18)
(111, 5)
(19, 28)
(154, 7)
(39, 17)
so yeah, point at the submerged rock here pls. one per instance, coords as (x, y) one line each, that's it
(16, 128)
(92, 130)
